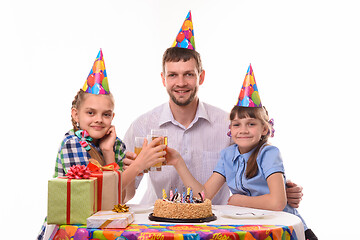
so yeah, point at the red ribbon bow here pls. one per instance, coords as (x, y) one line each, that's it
(95, 166)
(78, 172)
(97, 171)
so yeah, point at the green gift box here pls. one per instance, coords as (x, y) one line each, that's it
(71, 201)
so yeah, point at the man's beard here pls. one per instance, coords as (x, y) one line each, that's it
(187, 102)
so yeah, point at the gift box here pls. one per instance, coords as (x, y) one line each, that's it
(110, 219)
(71, 201)
(109, 184)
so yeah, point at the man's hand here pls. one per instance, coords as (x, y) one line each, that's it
(293, 193)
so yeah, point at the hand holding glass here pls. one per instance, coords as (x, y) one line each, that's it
(160, 133)
(139, 141)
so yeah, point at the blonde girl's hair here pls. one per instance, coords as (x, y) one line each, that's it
(257, 113)
(76, 103)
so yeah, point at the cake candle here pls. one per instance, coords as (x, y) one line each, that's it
(164, 194)
(171, 194)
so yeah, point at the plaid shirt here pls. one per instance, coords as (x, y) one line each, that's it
(72, 153)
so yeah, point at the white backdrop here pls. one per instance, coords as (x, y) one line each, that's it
(305, 56)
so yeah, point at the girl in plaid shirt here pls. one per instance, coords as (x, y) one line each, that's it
(94, 137)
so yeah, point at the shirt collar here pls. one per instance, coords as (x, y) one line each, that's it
(238, 155)
(167, 116)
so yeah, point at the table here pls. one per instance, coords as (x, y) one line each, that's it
(264, 225)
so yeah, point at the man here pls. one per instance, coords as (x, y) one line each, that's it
(195, 129)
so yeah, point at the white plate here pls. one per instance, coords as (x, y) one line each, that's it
(137, 208)
(242, 215)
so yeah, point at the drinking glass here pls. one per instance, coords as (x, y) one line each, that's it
(139, 141)
(160, 133)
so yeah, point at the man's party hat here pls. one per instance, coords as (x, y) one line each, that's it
(249, 94)
(185, 37)
(97, 82)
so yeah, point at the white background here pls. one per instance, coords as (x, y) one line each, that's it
(305, 56)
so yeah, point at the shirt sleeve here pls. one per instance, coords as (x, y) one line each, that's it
(271, 161)
(70, 153)
(119, 149)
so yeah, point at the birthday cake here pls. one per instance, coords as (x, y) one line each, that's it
(186, 207)
(167, 209)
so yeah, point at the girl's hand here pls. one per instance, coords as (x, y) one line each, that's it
(150, 154)
(108, 141)
(129, 159)
(173, 157)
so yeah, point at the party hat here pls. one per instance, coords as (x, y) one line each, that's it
(97, 82)
(249, 94)
(185, 37)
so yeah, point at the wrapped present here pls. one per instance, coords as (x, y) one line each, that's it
(71, 201)
(109, 184)
(110, 219)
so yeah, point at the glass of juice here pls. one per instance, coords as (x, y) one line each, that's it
(160, 133)
(139, 141)
(156, 167)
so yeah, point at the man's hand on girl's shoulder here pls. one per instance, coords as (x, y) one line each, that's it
(293, 193)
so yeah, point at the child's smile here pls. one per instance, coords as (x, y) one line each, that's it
(95, 115)
(246, 133)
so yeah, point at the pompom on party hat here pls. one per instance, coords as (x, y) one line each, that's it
(249, 93)
(185, 37)
(97, 81)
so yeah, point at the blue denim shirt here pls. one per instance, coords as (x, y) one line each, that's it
(232, 165)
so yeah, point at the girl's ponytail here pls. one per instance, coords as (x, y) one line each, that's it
(76, 104)
(252, 167)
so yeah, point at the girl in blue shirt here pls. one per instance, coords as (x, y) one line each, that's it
(252, 169)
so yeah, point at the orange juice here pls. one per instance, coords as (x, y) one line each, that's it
(138, 150)
(158, 165)
(138, 147)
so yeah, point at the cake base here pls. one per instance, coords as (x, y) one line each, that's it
(178, 220)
